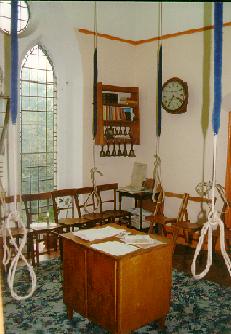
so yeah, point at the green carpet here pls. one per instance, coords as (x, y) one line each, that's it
(196, 307)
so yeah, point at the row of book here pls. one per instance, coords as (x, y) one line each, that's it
(111, 113)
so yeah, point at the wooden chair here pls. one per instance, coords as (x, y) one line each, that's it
(189, 229)
(16, 231)
(164, 225)
(107, 195)
(37, 207)
(86, 203)
(68, 207)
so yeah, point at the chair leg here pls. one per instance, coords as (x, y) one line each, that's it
(30, 248)
(174, 237)
(151, 228)
(37, 249)
(48, 243)
(61, 248)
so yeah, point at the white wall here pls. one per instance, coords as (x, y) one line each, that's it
(50, 27)
(186, 155)
(116, 66)
(52, 24)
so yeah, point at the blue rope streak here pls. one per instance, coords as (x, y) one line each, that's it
(159, 92)
(218, 24)
(95, 94)
(14, 61)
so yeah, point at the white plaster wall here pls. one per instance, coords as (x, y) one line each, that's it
(184, 157)
(116, 66)
(52, 24)
(50, 27)
(184, 154)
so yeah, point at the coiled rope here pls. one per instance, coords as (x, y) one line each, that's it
(156, 171)
(10, 217)
(14, 215)
(214, 221)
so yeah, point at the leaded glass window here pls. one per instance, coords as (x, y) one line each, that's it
(5, 16)
(38, 122)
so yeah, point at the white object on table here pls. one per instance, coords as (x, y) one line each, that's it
(115, 248)
(100, 233)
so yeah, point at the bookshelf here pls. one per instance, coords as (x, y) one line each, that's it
(118, 121)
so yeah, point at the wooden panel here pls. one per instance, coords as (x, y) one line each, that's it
(101, 289)
(119, 293)
(74, 276)
(112, 88)
(145, 286)
(101, 122)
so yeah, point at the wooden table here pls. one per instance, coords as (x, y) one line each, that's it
(120, 293)
(139, 196)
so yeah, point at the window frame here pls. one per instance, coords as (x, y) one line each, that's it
(54, 126)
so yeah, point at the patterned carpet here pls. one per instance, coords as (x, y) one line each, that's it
(197, 307)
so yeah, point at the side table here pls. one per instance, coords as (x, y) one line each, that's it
(138, 196)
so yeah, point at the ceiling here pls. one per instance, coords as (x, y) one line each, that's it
(139, 19)
(126, 19)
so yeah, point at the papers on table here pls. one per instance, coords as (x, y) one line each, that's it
(143, 241)
(100, 233)
(115, 248)
(127, 244)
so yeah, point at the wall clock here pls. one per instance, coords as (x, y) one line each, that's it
(175, 96)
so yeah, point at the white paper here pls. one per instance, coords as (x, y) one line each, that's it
(100, 233)
(114, 248)
(142, 241)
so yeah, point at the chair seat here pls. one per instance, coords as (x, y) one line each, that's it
(43, 227)
(72, 221)
(116, 213)
(188, 226)
(93, 216)
(160, 219)
(16, 232)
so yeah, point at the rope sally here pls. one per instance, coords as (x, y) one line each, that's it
(94, 170)
(94, 193)
(14, 215)
(14, 61)
(214, 220)
(157, 160)
(95, 78)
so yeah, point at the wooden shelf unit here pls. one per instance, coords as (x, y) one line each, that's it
(103, 122)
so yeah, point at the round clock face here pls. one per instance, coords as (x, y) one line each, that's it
(175, 96)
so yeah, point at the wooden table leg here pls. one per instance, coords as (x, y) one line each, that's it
(69, 312)
(48, 242)
(161, 322)
(61, 248)
(141, 211)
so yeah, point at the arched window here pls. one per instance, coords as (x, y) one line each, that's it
(38, 122)
(5, 16)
